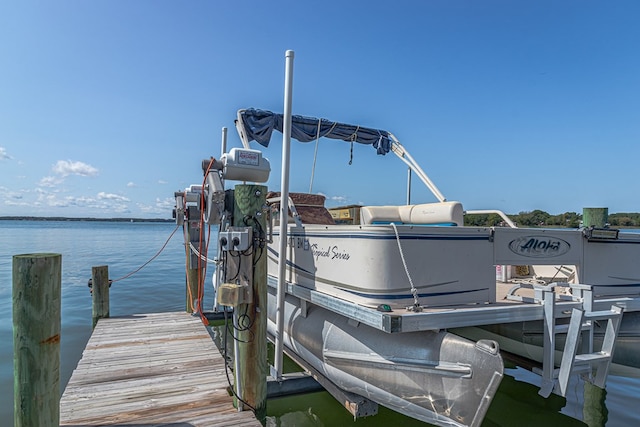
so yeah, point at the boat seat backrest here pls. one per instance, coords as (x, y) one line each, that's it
(444, 213)
(379, 214)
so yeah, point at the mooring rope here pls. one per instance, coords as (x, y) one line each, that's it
(151, 259)
(315, 156)
(414, 291)
(202, 257)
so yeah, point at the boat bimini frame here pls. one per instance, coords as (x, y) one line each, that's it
(305, 129)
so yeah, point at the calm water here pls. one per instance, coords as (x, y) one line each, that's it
(160, 287)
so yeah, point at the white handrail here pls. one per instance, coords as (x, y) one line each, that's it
(492, 211)
(404, 155)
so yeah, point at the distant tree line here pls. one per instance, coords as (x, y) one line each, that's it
(625, 219)
(538, 218)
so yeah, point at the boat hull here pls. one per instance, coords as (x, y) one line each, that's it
(372, 265)
(435, 377)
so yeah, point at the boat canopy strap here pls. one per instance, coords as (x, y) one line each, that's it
(259, 124)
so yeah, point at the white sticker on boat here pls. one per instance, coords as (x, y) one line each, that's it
(248, 158)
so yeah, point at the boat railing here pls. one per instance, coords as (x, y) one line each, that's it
(501, 214)
(401, 152)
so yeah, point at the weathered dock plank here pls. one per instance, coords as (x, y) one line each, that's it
(150, 370)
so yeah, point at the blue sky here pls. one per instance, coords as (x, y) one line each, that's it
(108, 107)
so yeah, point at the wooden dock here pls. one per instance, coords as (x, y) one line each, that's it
(159, 369)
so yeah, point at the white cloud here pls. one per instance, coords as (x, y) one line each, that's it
(64, 168)
(121, 209)
(53, 201)
(339, 199)
(160, 207)
(161, 181)
(335, 199)
(50, 181)
(11, 194)
(68, 167)
(15, 198)
(103, 202)
(166, 203)
(9, 202)
(4, 155)
(131, 184)
(110, 196)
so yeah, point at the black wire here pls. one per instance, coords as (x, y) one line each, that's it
(351, 154)
(224, 270)
(259, 239)
(255, 262)
(233, 327)
(244, 320)
(226, 364)
(246, 251)
(239, 265)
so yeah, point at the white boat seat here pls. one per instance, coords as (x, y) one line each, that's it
(443, 213)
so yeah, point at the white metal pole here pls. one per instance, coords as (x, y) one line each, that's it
(224, 141)
(408, 186)
(216, 280)
(236, 360)
(284, 212)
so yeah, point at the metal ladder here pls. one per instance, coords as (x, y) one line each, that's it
(581, 323)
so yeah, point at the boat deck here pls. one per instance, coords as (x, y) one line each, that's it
(151, 369)
(430, 318)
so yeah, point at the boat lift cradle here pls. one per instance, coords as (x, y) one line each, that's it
(549, 306)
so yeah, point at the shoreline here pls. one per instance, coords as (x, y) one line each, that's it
(60, 218)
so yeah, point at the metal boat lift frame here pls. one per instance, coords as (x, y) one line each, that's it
(546, 305)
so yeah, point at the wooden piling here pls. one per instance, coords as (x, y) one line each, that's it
(100, 293)
(248, 204)
(37, 282)
(194, 291)
(596, 217)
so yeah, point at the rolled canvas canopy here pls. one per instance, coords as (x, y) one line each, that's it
(259, 124)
